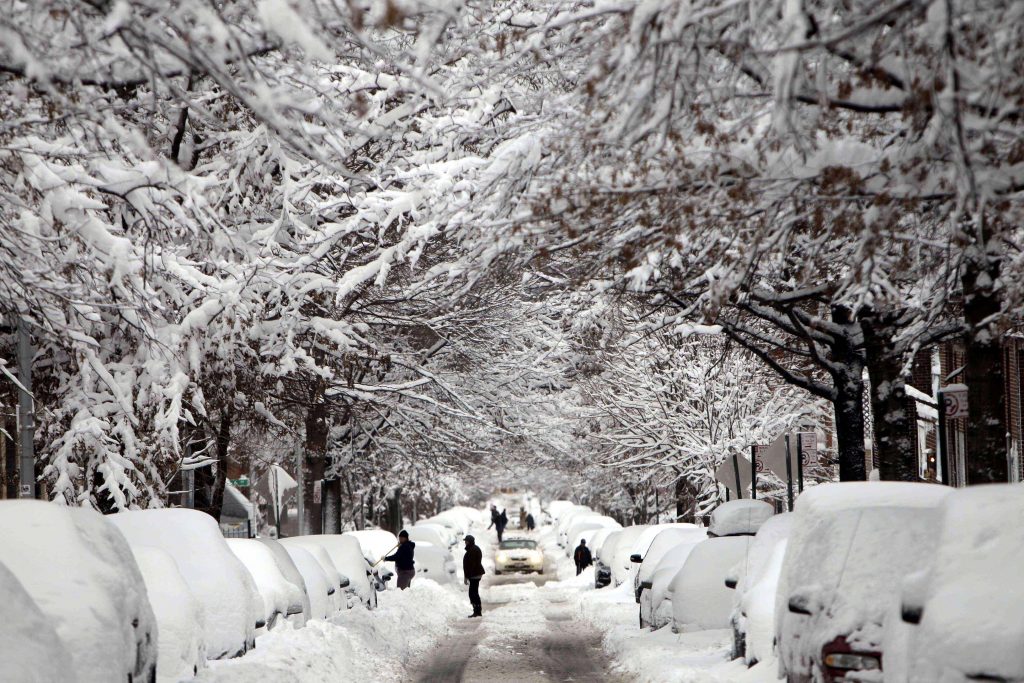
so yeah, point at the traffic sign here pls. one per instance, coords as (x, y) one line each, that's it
(808, 448)
(240, 483)
(954, 401)
(727, 474)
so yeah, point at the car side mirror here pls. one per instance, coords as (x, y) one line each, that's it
(635, 557)
(912, 594)
(731, 581)
(805, 600)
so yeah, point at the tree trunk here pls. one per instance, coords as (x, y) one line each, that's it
(221, 478)
(394, 512)
(848, 378)
(983, 371)
(893, 422)
(686, 501)
(332, 506)
(315, 465)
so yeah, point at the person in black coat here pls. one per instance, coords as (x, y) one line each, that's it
(582, 557)
(405, 566)
(473, 570)
(530, 524)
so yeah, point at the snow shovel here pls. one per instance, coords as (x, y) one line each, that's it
(384, 555)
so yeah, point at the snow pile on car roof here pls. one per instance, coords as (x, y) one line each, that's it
(700, 599)
(739, 517)
(280, 596)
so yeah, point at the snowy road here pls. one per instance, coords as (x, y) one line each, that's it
(529, 634)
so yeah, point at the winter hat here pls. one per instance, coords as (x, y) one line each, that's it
(403, 534)
(469, 539)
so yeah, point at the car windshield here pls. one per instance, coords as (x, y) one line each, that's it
(518, 544)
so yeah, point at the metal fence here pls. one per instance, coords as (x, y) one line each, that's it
(237, 530)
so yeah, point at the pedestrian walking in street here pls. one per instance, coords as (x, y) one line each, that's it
(582, 557)
(473, 570)
(405, 566)
(499, 520)
(530, 524)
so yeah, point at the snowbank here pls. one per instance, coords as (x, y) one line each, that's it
(356, 645)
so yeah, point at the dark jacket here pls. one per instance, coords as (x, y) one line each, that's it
(403, 556)
(582, 556)
(473, 563)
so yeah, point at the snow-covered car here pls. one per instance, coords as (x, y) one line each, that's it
(756, 581)
(181, 651)
(664, 540)
(281, 598)
(454, 524)
(850, 546)
(642, 547)
(347, 556)
(377, 544)
(567, 519)
(583, 524)
(619, 561)
(83, 577)
(602, 556)
(291, 573)
(30, 649)
(435, 563)
(519, 555)
(656, 601)
(429, 533)
(218, 580)
(320, 586)
(739, 517)
(700, 598)
(557, 508)
(597, 540)
(963, 612)
(336, 581)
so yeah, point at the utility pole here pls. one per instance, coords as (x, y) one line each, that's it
(301, 472)
(26, 414)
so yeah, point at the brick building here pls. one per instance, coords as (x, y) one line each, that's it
(939, 367)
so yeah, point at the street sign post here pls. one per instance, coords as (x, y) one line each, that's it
(240, 483)
(735, 473)
(952, 402)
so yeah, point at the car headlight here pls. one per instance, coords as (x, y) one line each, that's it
(501, 557)
(849, 660)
